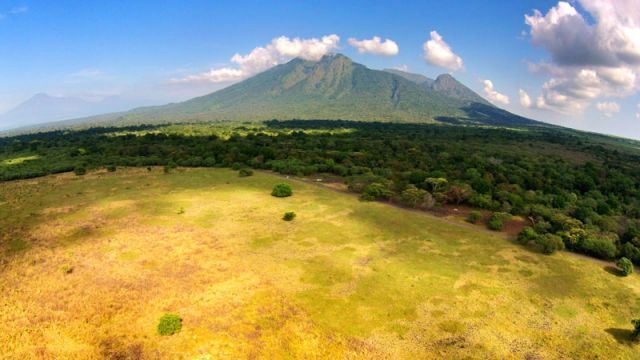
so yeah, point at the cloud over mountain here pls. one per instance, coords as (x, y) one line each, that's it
(375, 46)
(493, 95)
(280, 50)
(437, 52)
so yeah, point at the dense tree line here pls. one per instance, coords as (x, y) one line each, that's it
(577, 191)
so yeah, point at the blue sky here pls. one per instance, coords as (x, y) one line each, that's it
(139, 49)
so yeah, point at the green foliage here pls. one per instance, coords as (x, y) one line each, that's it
(288, 216)
(169, 324)
(282, 190)
(376, 191)
(17, 245)
(111, 168)
(636, 328)
(474, 216)
(497, 219)
(80, 170)
(549, 243)
(625, 266)
(169, 167)
(414, 197)
(244, 172)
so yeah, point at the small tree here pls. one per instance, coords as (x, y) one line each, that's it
(412, 196)
(496, 221)
(111, 168)
(550, 243)
(474, 216)
(636, 328)
(625, 266)
(80, 170)
(169, 324)
(289, 215)
(244, 172)
(282, 190)
(376, 191)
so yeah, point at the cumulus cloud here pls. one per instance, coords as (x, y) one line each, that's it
(493, 95)
(525, 99)
(608, 108)
(437, 52)
(592, 56)
(375, 46)
(280, 50)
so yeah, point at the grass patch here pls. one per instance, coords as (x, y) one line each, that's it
(169, 324)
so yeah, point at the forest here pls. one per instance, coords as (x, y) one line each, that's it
(578, 191)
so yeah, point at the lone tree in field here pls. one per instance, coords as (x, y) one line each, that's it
(282, 190)
(636, 328)
(289, 215)
(244, 172)
(169, 324)
(625, 266)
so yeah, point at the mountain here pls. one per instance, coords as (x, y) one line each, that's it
(332, 88)
(443, 84)
(42, 108)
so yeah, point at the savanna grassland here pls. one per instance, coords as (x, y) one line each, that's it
(90, 263)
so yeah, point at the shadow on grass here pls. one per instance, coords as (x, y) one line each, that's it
(622, 336)
(613, 270)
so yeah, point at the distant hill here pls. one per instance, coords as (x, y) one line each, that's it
(332, 88)
(42, 108)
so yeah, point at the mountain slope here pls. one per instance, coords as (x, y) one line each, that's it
(444, 84)
(332, 88)
(46, 108)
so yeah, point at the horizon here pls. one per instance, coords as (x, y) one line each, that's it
(153, 54)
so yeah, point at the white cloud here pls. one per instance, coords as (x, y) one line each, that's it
(375, 46)
(525, 99)
(437, 52)
(280, 50)
(404, 68)
(19, 10)
(493, 95)
(608, 108)
(590, 59)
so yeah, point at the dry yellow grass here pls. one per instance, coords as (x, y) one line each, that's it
(345, 279)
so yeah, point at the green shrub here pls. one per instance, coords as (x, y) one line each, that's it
(80, 170)
(550, 243)
(474, 216)
(376, 191)
(111, 168)
(496, 221)
(244, 172)
(169, 324)
(282, 190)
(636, 328)
(66, 269)
(289, 215)
(625, 266)
(527, 235)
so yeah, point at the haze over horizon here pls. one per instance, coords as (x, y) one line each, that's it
(514, 54)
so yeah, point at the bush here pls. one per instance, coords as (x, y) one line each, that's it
(550, 243)
(80, 170)
(527, 235)
(282, 190)
(289, 215)
(244, 172)
(474, 216)
(496, 221)
(625, 266)
(111, 168)
(376, 191)
(169, 324)
(636, 328)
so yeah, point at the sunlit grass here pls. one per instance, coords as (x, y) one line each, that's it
(345, 279)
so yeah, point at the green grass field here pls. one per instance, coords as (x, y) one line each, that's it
(89, 265)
